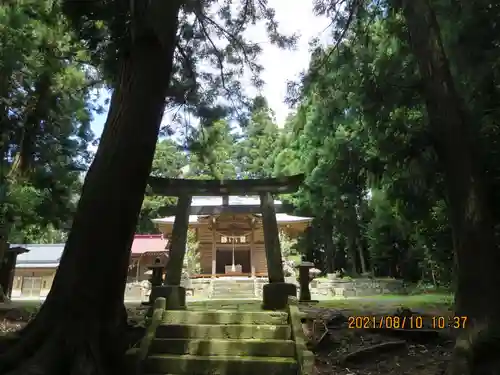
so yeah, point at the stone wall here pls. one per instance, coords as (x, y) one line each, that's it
(259, 285)
(320, 288)
(360, 287)
(200, 288)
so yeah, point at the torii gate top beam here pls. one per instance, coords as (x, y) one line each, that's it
(178, 187)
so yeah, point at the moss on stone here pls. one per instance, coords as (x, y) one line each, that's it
(221, 365)
(226, 331)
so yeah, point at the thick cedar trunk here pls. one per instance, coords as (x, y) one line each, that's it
(361, 255)
(37, 110)
(476, 254)
(329, 245)
(352, 255)
(78, 330)
(359, 242)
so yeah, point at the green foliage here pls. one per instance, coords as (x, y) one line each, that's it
(192, 263)
(45, 112)
(259, 142)
(212, 152)
(168, 162)
(288, 245)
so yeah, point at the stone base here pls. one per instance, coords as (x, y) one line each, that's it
(275, 295)
(174, 295)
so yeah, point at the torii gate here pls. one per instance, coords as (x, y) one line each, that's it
(275, 294)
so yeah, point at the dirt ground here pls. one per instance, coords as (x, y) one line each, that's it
(333, 336)
(423, 352)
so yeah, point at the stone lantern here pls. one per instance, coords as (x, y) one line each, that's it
(156, 276)
(304, 280)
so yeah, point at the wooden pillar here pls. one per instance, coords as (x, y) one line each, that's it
(252, 245)
(214, 248)
(138, 265)
(178, 243)
(7, 272)
(271, 239)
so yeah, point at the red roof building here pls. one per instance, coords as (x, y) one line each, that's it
(145, 249)
(149, 243)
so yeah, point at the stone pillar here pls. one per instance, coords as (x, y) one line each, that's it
(304, 280)
(172, 291)
(252, 245)
(155, 280)
(275, 294)
(157, 273)
(214, 248)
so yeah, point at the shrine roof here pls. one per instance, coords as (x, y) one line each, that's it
(49, 255)
(201, 201)
(39, 255)
(145, 243)
(280, 218)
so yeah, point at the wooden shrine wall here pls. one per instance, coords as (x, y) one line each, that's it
(205, 240)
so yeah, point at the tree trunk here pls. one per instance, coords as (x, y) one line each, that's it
(4, 225)
(329, 245)
(476, 254)
(362, 260)
(79, 328)
(352, 256)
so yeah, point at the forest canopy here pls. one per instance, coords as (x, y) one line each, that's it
(394, 126)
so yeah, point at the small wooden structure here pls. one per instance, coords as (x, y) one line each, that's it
(7, 267)
(223, 221)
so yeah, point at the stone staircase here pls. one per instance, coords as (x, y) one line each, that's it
(221, 342)
(223, 288)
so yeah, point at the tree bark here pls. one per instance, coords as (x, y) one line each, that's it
(79, 328)
(477, 257)
(329, 245)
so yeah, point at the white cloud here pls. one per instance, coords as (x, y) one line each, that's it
(280, 66)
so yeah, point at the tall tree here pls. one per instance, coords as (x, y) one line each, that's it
(258, 146)
(45, 111)
(142, 41)
(469, 203)
(212, 152)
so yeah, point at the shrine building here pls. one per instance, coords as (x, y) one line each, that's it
(230, 234)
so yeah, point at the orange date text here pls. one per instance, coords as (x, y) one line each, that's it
(386, 321)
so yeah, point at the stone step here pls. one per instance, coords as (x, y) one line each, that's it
(225, 317)
(220, 365)
(218, 347)
(239, 281)
(233, 295)
(228, 331)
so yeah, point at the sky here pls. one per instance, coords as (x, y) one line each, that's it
(280, 66)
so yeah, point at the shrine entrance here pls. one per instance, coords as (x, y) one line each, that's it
(233, 262)
(275, 294)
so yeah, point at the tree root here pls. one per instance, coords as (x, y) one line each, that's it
(364, 353)
(69, 343)
(422, 336)
(87, 348)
